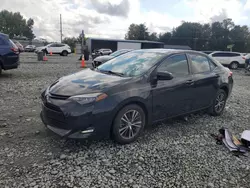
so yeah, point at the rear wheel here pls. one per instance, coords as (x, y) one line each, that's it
(1, 67)
(64, 53)
(234, 65)
(219, 103)
(128, 124)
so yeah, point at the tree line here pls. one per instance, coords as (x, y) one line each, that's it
(14, 24)
(214, 36)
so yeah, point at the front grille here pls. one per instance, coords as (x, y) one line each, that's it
(59, 97)
(52, 107)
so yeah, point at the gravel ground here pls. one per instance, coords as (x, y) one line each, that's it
(175, 153)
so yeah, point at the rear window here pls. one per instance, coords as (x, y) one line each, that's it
(12, 44)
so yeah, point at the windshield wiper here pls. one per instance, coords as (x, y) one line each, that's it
(111, 72)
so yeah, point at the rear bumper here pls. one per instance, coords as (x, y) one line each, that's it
(12, 63)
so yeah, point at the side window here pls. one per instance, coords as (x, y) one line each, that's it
(53, 45)
(60, 45)
(235, 54)
(212, 65)
(199, 64)
(219, 55)
(2, 42)
(177, 65)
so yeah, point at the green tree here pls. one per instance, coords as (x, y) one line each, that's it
(165, 37)
(153, 37)
(71, 41)
(14, 24)
(137, 32)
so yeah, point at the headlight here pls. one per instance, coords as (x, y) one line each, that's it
(88, 98)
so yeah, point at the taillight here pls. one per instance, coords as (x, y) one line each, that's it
(230, 74)
(15, 50)
(243, 57)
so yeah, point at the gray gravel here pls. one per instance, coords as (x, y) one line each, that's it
(176, 153)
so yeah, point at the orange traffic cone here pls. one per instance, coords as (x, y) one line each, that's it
(83, 62)
(50, 53)
(45, 58)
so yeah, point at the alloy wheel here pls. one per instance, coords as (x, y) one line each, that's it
(234, 65)
(130, 124)
(220, 102)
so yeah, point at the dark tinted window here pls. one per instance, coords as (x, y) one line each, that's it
(199, 63)
(177, 65)
(2, 42)
(234, 54)
(59, 45)
(53, 45)
(225, 54)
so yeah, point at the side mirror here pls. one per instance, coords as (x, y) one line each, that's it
(164, 75)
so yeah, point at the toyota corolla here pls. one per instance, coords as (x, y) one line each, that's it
(119, 98)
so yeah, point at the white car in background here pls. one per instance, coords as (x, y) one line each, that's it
(104, 51)
(55, 48)
(230, 59)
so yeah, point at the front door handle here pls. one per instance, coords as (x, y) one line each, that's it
(190, 82)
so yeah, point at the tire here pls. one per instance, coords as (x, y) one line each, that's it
(1, 69)
(64, 53)
(221, 97)
(128, 124)
(234, 65)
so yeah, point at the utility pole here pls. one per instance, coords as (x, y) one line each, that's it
(61, 26)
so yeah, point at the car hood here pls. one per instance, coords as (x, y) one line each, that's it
(103, 58)
(84, 82)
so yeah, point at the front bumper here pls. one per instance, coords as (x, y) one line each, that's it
(72, 120)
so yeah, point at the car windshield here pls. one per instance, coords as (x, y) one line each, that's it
(131, 64)
(119, 52)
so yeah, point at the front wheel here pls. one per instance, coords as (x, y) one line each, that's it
(128, 124)
(219, 103)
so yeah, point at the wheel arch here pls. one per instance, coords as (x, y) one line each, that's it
(225, 88)
(135, 100)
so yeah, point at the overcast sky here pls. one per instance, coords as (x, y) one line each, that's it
(111, 18)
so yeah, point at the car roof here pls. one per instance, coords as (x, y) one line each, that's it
(168, 51)
(3, 35)
(226, 52)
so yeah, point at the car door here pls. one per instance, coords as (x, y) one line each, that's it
(60, 48)
(220, 57)
(52, 48)
(173, 97)
(205, 80)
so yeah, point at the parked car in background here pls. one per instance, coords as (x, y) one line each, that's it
(19, 45)
(102, 59)
(120, 97)
(30, 48)
(233, 60)
(103, 51)
(207, 52)
(9, 53)
(55, 48)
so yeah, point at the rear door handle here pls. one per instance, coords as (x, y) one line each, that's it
(190, 82)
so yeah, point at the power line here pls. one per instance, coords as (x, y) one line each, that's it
(61, 26)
